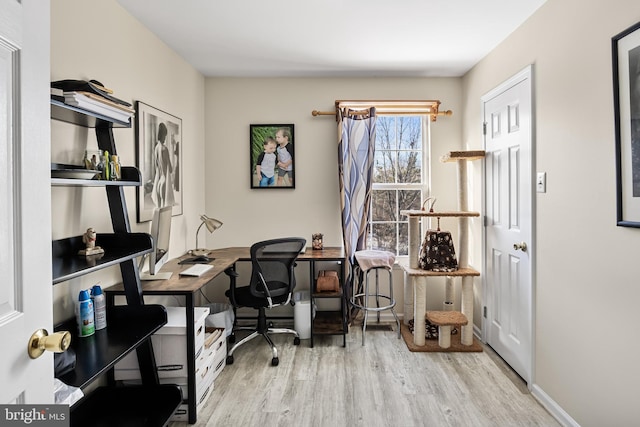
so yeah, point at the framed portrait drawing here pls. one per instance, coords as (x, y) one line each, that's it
(626, 90)
(159, 159)
(271, 156)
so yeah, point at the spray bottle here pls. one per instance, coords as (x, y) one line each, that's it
(99, 307)
(84, 315)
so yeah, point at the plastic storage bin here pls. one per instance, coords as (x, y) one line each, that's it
(220, 316)
(302, 314)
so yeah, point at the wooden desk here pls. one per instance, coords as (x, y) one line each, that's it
(188, 286)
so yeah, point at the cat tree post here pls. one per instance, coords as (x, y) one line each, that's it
(466, 306)
(461, 158)
(414, 250)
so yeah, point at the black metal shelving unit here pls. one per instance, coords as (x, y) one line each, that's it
(130, 326)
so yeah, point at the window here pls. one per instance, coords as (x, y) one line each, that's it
(400, 178)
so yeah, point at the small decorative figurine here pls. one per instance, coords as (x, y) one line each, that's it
(316, 241)
(89, 239)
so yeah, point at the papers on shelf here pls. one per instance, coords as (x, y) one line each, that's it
(57, 94)
(102, 100)
(97, 104)
(91, 86)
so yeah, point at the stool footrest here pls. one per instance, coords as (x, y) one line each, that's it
(446, 318)
(392, 302)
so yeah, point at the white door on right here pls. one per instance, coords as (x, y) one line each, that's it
(508, 322)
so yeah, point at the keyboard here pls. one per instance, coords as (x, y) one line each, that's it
(196, 270)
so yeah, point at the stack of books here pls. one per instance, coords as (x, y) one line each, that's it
(92, 96)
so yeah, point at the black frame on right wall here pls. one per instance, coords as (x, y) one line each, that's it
(625, 48)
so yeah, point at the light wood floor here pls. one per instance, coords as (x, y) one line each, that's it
(380, 384)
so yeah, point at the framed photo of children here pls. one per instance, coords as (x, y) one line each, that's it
(159, 159)
(271, 156)
(626, 85)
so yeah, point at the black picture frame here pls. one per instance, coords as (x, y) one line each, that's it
(625, 48)
(261, 136)
(148, 122)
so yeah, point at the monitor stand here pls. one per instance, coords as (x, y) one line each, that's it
(158, 276)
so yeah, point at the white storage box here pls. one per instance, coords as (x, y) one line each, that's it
(204, 381)
(214, 353)
(209, 365)
(204, 377)
(169, 346)
(218, 364)
(182, 413)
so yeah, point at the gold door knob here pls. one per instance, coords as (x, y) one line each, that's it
(40, 341)
(520, 246)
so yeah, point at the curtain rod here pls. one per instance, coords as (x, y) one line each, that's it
(403, 113)
(405, 107)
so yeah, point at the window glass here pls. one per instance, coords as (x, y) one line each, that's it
(399, 179)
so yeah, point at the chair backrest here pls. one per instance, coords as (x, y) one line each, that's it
(272, 274)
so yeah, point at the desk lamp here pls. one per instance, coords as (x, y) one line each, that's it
(212, 225)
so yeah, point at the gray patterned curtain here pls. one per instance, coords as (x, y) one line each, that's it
(356, 133)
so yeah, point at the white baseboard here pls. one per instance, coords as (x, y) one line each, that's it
(554, 409)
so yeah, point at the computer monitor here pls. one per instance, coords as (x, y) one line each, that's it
(160, 235)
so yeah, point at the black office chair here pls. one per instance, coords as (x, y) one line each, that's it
(272, 283)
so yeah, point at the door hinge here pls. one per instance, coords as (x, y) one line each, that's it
(484, 128)
(484, 311)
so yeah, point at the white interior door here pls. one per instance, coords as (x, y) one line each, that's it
(25, 212)
(508, 227)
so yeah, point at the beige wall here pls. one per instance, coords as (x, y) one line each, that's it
(252, 214)
(586, 288)
(108, 45)
(232, 104)
(249, 215)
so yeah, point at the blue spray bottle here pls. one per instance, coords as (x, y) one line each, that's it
(84, 315)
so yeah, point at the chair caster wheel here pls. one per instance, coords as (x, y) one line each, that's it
(232, 339)
(229, 360)
(275, 361)
(296, 341)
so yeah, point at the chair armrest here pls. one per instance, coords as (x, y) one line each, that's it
(231, 272)
(233, 275)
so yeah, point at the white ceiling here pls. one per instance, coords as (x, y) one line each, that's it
(325, 38)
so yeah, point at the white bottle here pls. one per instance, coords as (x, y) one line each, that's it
(99, 307)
